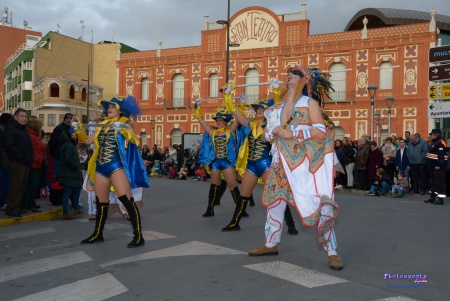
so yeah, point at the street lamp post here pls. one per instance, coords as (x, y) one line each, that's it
(377, 115)
(227, 22)
(372, 91)
(88, 80)
(389, 103)
(152, 121)
(89, 92)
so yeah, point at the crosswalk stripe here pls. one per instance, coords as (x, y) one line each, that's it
(295, 274)
(93, 289)
(189, 249)
(28, 268)
(399, 298)
(21, 234)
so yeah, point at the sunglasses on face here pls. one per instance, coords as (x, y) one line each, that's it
(296, 72)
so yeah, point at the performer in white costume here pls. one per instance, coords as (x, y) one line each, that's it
(303, 163)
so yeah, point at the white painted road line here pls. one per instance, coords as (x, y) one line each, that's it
(21, 234)
(33, 267)
(396, 299)
(189, 249)
(93, 289)
(295, 274)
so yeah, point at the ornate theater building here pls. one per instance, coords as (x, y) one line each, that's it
(376, 48)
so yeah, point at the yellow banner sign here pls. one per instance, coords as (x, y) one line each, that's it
(439, 91)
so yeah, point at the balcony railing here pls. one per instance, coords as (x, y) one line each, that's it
(342, 96)
(176, 103)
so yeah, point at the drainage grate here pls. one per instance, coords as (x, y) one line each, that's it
(387, 211)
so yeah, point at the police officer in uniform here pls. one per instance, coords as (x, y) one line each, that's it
(436, 163)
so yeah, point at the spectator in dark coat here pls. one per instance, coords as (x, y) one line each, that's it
(53, 143)
(19, 150)
(401, 159)
(349, 161)
(5, 171)
(417, 152)
(382, 183)
(180, 157)
(375, 160)
(34, 173)
(70, 176)
(156, 154)
(341, 179)
(361, 160)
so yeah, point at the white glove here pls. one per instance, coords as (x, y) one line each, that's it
(229, 89)
(242, 98)
(75, 125)
(117, 125)
(275, 83)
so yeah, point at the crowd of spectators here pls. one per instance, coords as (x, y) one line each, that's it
(396, 167)
(173, 162)
(27, 167)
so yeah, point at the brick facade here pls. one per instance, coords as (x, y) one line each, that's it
(405, 47)
(11, 39)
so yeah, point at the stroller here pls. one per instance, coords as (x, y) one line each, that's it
(156, 169)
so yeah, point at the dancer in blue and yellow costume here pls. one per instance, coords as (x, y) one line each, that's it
(219, 151)
(116, 165)
(254, 158)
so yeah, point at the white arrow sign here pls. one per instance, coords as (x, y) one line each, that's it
(439, 109)
(435, 71)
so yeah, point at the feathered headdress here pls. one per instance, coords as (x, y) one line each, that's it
(317, 83)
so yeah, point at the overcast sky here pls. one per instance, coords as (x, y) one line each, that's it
(178, 23)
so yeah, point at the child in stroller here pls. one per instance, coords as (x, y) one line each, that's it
(156, 169)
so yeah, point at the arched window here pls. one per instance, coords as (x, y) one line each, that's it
(54, 90)
(214, 85)
(338, 79)
(145, 86)
(94, 94)
(84, 94)
(176, 136)
(72, 92)
(386, 75)
(252, 92)
(178, 90)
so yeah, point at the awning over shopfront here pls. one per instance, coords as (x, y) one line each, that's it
(53, 107)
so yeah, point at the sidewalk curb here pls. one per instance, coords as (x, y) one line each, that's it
(41, 216)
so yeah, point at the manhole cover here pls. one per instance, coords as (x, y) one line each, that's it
(387, 211)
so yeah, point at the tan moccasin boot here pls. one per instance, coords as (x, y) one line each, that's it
(262, 250)
(335, 262)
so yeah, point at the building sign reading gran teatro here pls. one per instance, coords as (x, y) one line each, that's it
(254, 29)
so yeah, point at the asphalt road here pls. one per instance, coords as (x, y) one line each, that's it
(187, 257)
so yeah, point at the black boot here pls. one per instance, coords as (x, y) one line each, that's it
(432, 198)
(135, 217)
(290, 221)
(236, 194)
(439, 201)
(238, 211)
(100, 219)
(220, 192)
(212, 196)
(251, 201)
